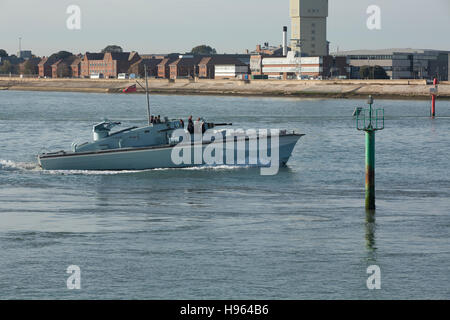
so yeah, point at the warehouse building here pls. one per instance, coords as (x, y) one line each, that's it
(222, 64)
(230, 70)
(401, 63)
(281, 67)
(294, 67)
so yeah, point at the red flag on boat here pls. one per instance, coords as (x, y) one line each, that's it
(130, 89)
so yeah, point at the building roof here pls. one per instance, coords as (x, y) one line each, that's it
(35, 61)
(48, 61)
(76, 61)
(222, 59)
(43, 61)
(269, 50)
(149, 62)
(121, 56)
(69, 60)
(380, 52)
(94, 56)
(187, 61)
(205, 60)
(124, 56)
(57, 63)
(159, 55)
(167, 61)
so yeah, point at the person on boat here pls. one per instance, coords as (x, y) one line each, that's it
(182, 123)
(190, 125)
(159, 119)
(200, 126)
(152, 119)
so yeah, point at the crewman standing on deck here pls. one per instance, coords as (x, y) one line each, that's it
(190, 125)
(200, 126)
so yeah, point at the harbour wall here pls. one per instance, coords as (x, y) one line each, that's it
(281, 88)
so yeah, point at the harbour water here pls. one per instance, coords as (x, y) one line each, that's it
(225, 233)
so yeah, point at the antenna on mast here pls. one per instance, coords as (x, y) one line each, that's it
(146, 91)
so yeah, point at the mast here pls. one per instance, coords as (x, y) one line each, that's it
(146, 91)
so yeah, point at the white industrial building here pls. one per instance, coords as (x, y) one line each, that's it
(293, 66)
(281, 65)
(228, 71)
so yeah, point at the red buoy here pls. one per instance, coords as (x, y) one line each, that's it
(433, 99)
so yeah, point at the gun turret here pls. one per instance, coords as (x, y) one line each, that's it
(102, 129)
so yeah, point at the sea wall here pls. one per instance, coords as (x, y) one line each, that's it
(289, 88)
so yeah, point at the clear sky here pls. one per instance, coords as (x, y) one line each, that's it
(162, 26)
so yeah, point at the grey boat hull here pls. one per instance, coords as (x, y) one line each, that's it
(151, 157)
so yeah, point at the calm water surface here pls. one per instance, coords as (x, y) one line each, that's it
(225, 232)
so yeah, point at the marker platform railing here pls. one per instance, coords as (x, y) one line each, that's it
(370, 119)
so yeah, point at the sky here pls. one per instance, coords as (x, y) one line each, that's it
(231, 26)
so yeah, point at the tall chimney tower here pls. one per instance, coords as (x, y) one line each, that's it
(285, 41)
(309, 27)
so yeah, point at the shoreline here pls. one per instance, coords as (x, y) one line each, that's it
(320, 89)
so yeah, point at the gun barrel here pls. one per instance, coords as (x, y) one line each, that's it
(221, 124)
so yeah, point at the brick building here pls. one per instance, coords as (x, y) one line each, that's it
(121, 61)
(29, 66)
(90, 60)
(152, 67)
(45, 67)
(185, 67)
(76, 68)
(206, 68)
(163, 67)
(60, 69)
(110, 64)
(64, 68)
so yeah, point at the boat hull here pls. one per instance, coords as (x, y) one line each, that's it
(157, 157)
